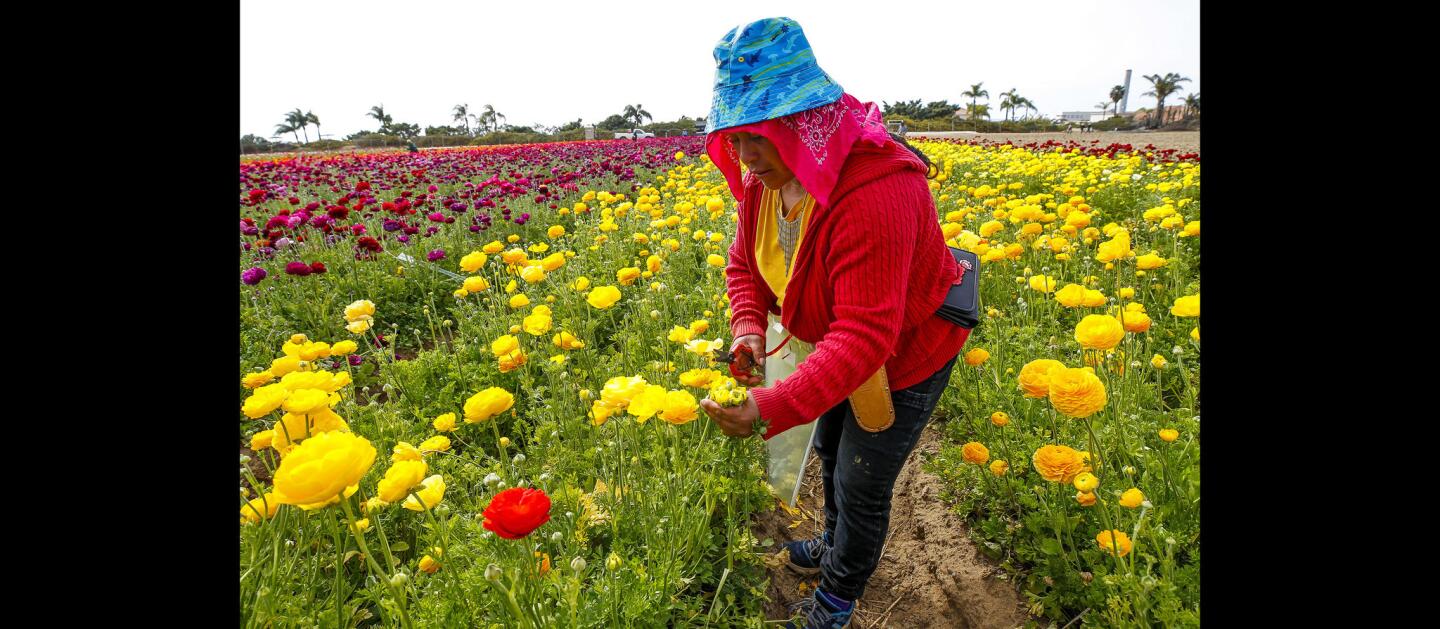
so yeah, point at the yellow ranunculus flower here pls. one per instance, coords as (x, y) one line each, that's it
(1000, 418)
(680, 335)
(1136, 321)
(567, 341)
(647, 402)
(975, 452)
(715, 261)
(1042, 283)
(1071, 296)
(1188, 306)
(1157, 361)
(475, 284)
(976, 357)
(1114, 542)
(438, 443)
(603, 297)
(262, 508)
(1169, 434)
(343, 348)
(1076, 392)
(1117, 248)
(445, 422)
(1086, 482)
(679, 407)
(487, 404)
(323, 467)
(264, 400)
(263, 439)
(1058, 464)
(360, 309)
(519, 300)
(1085, 498)
(511, 287)
(306, 401)
(620, 390)
(493, 247)
(553, 262)
(555, 231)
(1131, 498)
(627, 275)
(1092, 298)
(428, 564)
(600, 412)
(1150, 261)
(405, 451)
(1099, 332)
(254, 380)
(1192, 228)
(514, 257)
(432, 491)
(1035, 377)
(358, 327)
(400, 478)
(533, 274)
(473, 261)
(652, 263)
(999, 467)
(537, 324)
(700, 378)
(989, 228)
(504, 345)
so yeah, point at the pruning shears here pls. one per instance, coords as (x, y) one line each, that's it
(741, 361)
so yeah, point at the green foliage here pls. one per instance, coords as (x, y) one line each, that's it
(934, 110)
(509, 137)
(614, 123)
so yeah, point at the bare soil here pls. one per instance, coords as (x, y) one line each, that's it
(930, 574)
(1182, 141)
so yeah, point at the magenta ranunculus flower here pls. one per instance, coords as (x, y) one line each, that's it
(435, 255)
(297, 268)
(252, 275)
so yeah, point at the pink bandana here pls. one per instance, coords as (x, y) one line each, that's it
(813, 143)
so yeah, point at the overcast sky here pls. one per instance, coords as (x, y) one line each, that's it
(551, 62)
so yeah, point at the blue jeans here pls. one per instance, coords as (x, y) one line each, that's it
(859, 468)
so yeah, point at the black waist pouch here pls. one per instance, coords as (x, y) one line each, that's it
(962, 303)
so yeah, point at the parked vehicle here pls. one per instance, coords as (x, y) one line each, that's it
(633, 134)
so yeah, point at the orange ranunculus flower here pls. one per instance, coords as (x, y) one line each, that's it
(1035, 376)
(1114, 542)
(976, 357)
(1058, 464)
(1076, 392)
(975, 452)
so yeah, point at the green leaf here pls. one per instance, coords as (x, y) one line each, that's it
(1050, 547)
(399, 547)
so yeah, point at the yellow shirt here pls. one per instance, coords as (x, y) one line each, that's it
(769, 256)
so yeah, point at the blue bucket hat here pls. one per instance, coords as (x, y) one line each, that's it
(765, 70)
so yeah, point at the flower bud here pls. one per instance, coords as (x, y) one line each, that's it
(612, 562)
(519, 458)
(557, 537)
(399, 579)
(504, 442)
(244, 459)
(447, 323)
(492, 573)
(578, 564)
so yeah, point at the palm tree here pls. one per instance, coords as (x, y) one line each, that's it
(1117, 94)
(636, 113)
(297, 120)
(462, 113)
(378, 113)
(311, 118)
(1163, 87)
(282, 129)
(1103, 105)
(973, 93)
(490, 118)
(1007, 104)
(1022, 102)
(1192, 105)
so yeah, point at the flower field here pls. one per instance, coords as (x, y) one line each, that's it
(470, 383)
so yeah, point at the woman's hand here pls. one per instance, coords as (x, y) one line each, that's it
(756, 343)
(736, 421)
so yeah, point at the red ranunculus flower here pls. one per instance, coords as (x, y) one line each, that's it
(369, 244)
(516, 512)
(297, 268)
(317, 267)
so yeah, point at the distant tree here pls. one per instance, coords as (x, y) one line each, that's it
(378, 113)
(636, 113)
(1117, 94)
(1007, 102)
(444, 130)
(311, 118)
(572, 126)
(978, 112)
(1164, 86)
(282, 129)
(1192, 105)
(296, 119)
(490, 119)
(975, 93)
(462, 113)
(614, 122)
(1024, 103)
(251, 143)
(403, 129)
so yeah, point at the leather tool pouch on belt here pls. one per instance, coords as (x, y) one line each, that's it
(871, 403)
